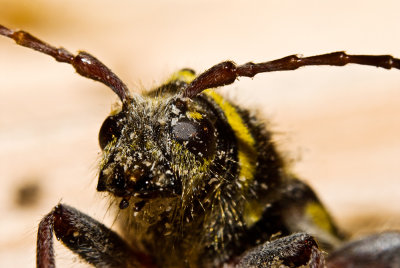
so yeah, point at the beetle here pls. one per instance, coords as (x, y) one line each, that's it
(199, 181)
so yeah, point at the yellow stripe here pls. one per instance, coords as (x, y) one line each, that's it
(194, 115)
(247, 153)
(319, 216)
(182, 75)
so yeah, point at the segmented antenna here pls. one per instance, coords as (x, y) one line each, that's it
(84, 63)
(226, 72)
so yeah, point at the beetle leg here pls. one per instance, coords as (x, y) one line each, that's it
(379, 250)
(294, 251)
(91, 240)
(302, 211)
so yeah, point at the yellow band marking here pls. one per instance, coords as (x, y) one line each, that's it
(253, 211)
(247, 153)
(194, 115)
(319, 216)
(183, 75)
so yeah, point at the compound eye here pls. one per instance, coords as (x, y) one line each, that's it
(109, 130)
(197, 136)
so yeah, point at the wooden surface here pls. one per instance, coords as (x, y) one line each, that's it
(340, 126)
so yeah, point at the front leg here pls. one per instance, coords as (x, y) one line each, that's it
(378, 250)
(91, 240)
(296, 250)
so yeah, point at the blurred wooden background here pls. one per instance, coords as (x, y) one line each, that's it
(339, 126)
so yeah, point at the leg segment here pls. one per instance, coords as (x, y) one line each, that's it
(380, 250)
(302, 211)
(293, 251)
(297, 210)
(84, 63)
(91, 240)
(226, 72)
